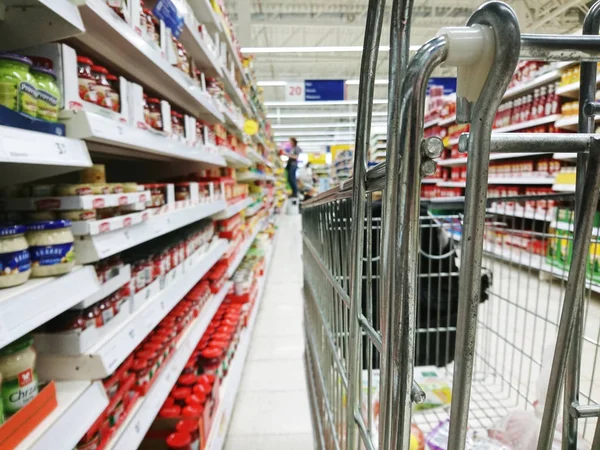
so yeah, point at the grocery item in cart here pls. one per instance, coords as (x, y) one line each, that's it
(437, 390)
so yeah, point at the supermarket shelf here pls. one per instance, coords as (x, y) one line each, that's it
(80, 403)
(233, 124)
(198, 50)
(243, 250)
(431, 180)
(232, 210)
(447, 121)
(563, 187)
(106, 355)
(54, 20)
(75, 202)
(26, 307)
(234, 159)
(235, 93)
(110, 38)
(528, 124)
(133, 430)
(567, 122)
(565, 156)
(571, 90)
(256, 157)
(565, 226)
(248, 177)
(39, 155)
(94, 248)
(493, 156)
(231, 384)
(104, 135)
(513, 211)
(431, 123)
(254, 209)
(540, 80)
(206, 15)
(112, 285)
(504, 180)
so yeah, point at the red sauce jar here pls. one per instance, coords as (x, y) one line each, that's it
(141, 369)
(180, 394)
(170, 412)
(186, 380)
(179, 441)
(87, 82)
(146, 110)
(177, 128)
(92, 317)
(102, 87)
(151, 358)
(190, 427)
(192, 412)
(106, 310)
(211, 359)
(115, 87)
(151, 24)
(155, 114)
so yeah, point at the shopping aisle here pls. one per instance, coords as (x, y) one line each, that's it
(272, 411)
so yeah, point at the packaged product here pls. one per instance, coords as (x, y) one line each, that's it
(87, 81)
(18, 89)
(177, 129)
(20, 383)
(154, 113)
(48, 93)
(115, 91)
(66, 190)
(102, 87)
(94, 174)
(15, 260)
(437, 390)
(51, 248)
(437, 439)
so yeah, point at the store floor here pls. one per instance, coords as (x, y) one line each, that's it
(272, 410)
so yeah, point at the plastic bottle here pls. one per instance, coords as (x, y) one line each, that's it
(535, 104)
(542, 103)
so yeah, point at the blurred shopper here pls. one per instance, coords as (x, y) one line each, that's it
(292, 166)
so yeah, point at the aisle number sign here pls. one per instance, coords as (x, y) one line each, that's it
(315, 91)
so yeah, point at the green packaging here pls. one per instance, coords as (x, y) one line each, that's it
(18, 89)
(48, 99)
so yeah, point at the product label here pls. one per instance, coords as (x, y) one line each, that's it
(14, 262)
(16, 393)
(107, 315)
(50, 255)
(47, 106)
(8, 95)
(28, 103)
(86, 91)
(103, 95)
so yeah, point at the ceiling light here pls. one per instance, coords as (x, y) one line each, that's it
(323, 49)
(271, 83)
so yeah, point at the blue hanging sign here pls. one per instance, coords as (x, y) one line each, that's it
(166, 11)
(324, 90)
(449, 84)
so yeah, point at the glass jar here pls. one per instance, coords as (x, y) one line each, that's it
(155, 113)
(92, 317)
(18, 89)
(115, 86)
(146, 110)
(87, 82)
(190, 427)
(17, 365)
(51, 248)
(182, 192)
(48, 93)
(102, 87)
(183, 63)
(142, 372)
(106, 310)
(15, 261)
(152, 26)
(180, 394)
(179, 441)
(177, 129)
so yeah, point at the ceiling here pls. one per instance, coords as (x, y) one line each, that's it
(313, 23)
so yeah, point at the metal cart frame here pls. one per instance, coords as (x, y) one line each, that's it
(338, 257)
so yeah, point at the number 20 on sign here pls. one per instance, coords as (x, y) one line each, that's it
(294, 91)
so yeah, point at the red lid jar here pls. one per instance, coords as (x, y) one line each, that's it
(87, 82)
(92, 317)
(170, 412)
(179, 441)
(190, 427)
(192, 412)
(155, 114)
(177, 129)
(180, 395)
(102, 87)
(115, 87)
(141, 370)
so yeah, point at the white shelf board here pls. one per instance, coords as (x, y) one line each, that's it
(80, 403)
(230, 386)
(256, 157)
(447, 121)
(232, 124)
(461, 184)
(521, 212)
(205, 14)
(232, 210)
(199, 51)
(110, 38)
(107, 354)
(104, 290)
(24, 308)
(132, 431)
(39, 155)
(539, 80)
(248, 177)
(571, 227)
(254, 210)
(94, 248)
(565, 156)
(54, 20)
(528, 124)
(431, 123)
(571, 90)
(493, 157)
(75, 202)
(104, 135)
(569, 122)
(235, 93)
(504, 180)
(243, 250)
(431, 180)
(563, 187)
(234, 159)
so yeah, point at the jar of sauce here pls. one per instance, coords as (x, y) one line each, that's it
(87, 81)
(179, 441)
(146, 110)
(155, 114)
(190, 427)
(177, 128)
(92, 317)
(152, 26)
(142, 372)
(115, 87)
(102, 87)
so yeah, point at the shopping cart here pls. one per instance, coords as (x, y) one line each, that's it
(485, 294)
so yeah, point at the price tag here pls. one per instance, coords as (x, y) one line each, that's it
(132, 334)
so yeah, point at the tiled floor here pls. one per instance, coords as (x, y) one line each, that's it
(272, 411)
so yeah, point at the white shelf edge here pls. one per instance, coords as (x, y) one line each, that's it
(234, 209)
(234, 159)
(528, 124)
(493, 157)
(132, 431)
(106, 355)
(112, 285)
(504, 180)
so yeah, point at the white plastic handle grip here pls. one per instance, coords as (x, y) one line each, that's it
(471, 50)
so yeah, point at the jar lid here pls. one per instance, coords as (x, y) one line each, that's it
(17, 346)
(111, 77)
(187, 426)
(186, 380)
(170, 411)
(100, 69)
(153, 100)
(15, 57)
(170, 401)
(200, 389)
(179, 440)
(145, 354)
(212, 352)
(44, 70)
(85, 60)
(49, 225)
(192, 411)
(12, 230)
(139, 364)
(195, 400)
(181, 393)
(176, 114)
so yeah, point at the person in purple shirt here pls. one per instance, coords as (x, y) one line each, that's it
(292, 166)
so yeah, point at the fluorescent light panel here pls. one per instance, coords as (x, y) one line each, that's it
(322, 49)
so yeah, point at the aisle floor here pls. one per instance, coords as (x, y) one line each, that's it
(272, 410)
